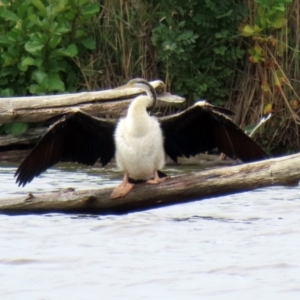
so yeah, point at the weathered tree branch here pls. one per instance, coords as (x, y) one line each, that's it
(41, 108)
(31, 136)
(180, 189)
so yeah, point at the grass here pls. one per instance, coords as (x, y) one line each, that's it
(122, 32)
(273, 82)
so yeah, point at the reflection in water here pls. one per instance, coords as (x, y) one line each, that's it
(243, 246)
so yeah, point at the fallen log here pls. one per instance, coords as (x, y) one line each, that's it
(180, 189)
(100, 103)
(31, 136)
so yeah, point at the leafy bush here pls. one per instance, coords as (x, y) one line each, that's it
(38, 39)
(197, 46)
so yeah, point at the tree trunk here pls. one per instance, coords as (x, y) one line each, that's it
(180, 189)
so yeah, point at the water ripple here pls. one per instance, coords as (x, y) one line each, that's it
(243, 246)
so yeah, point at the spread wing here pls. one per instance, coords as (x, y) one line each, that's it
(204, 127)
(76, 137)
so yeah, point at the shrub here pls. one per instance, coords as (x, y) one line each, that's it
(197, 46)
(38, 41)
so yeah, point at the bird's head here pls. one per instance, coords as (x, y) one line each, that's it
(144, 85)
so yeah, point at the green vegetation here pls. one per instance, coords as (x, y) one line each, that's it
(272, 42)
(38, 41)
(197, 43)
(241, 54)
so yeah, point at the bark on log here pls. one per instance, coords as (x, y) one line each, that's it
(180, 189)
(31, 136)
(13, 155)
(41, 108)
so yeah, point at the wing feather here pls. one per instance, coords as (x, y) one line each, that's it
(75, 137)
(204, 127)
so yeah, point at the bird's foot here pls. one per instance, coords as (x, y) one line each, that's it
(157, 180)
(122, 190)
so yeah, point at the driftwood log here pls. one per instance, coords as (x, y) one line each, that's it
(180, 189)
(41, 108)
(110, 103)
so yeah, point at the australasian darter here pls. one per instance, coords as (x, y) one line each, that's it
(138, 141)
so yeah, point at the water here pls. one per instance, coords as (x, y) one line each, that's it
(243, 246)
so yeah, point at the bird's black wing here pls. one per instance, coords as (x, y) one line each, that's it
(75, 137)
(204, 127)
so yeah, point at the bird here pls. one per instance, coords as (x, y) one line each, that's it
(139, 141)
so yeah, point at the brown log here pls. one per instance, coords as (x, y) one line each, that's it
(31, 136)
(13, 155)
(41, 108)
(180, 189)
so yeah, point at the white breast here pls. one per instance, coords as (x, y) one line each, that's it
(139, 143)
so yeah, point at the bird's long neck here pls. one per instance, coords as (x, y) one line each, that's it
(151, 93)
(139, 106)
(138, 118)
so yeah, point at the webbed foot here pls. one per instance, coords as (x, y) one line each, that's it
(123, 189)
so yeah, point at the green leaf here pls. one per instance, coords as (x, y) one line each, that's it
(59, 6)
(5, 72)
(82, 2)
(40, 6)
(70, 15)
(185, 35)
(71, 51)
(40, 77)
(33, 46)
(23, 9)
(55, 83)
(8, 59)
(249, 128)
(8, 92)
(257, 29)
(62, 29)
(89, 44)
(79, 33)
(36, 89)
(222, 34)
(22, 68)
(279, 7)
(27, 61)
(279, 22)
(227, 14)
(37, 62)
(220, 50)
(35, 20)
(90, 9)
(9, 16)
(13, 51)
(17, 128)
(54, 41)
(5, 40)
(247, 30)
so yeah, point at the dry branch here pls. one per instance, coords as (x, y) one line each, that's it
(41, 108)
(180, 189)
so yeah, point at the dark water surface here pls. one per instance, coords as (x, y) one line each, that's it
(243, 246)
